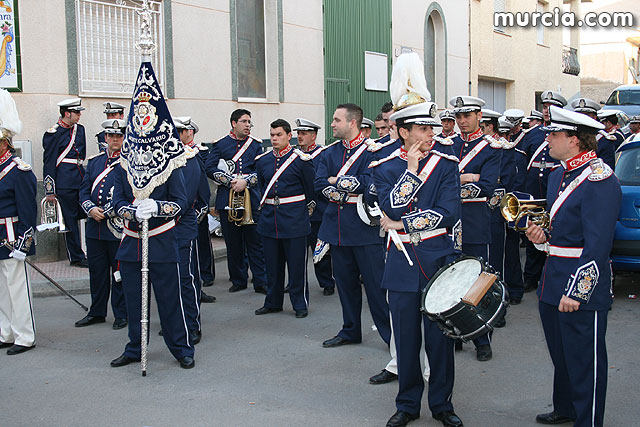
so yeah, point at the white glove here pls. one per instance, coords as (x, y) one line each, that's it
(146, 209)
(18, 255)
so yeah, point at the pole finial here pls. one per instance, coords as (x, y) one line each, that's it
(146, 45)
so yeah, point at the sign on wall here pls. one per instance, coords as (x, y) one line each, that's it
(10, 69)
(376, 68)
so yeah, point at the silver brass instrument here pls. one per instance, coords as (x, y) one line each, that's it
(513, 210)
(239, 209)
(51, 216)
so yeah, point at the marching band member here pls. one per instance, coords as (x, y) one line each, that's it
(65, 149)
(419, 191)
(366, 127)
(382, 127)
(286, 177)
(575, 289)
(479, 169)
(448, 121)
(104, 229)
(18, 211)
(356, 247)
(113, 110)
(236, 154)
(607, 143)
(307, 132)
(609, 118)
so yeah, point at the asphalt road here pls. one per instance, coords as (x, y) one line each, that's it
(272, 371)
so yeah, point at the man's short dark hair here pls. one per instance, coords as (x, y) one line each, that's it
(613, 119)
(586, 141)
(63, 110)
(354, 112)
(378, 118)
(386, 107)
(281, 123)
(235, 116)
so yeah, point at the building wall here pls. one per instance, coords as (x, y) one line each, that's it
(516, 58)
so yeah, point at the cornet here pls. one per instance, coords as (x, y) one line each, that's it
(513, 210)
(51, 216)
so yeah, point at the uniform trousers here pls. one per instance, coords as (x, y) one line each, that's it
(323, 269)
(293, 253)
(237, 238)
(577, 347)
(206, 264)
(349, 263)
(165, 279)
(17, 325)
(478, 250)
(101, 255)
(408, 324)
(533, 265)
(69, 203)
(512, 265)
(190, 286)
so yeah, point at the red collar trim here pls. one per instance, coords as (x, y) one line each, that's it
(612, 129)
(475, 135)
(233, 135)
(448, 134)
(580, 160)
(63, 124)
(114, 155)
(403, 154)
(310, 148)
(191, 143)
(282, 152)
(354, 142)
(6, 156)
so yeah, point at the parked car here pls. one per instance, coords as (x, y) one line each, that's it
(626, 245)
(625, 98)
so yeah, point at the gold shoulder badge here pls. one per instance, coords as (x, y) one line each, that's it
(599, 170)
(374, 146)
(22, 165)
(494, 143)
(191, 152)
(53, 128)
(303, 156)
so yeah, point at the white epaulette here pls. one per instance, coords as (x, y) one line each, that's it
(494, 143)
(599, 170)
(202, 147)
(53, 128)
(190, 152)
(443, 141)
(376, 146)
(446, 156)
(21, 164)
(393, 155)
(609, 136)
(303, 156)
(269, 150)
(95, 155)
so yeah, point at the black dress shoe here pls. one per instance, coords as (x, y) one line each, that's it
(267, 310)
(400, 419)
(448, 419)
(195, 337)
(120, 323)
(553, 418)
(336, 341)
(484, 353)
(530, 287)
(328, 291)
(261, 290)
(123, 361)
(206, 298)
(89, 320)
(5, 344)
(515, 301)
(458, 345)
(83, 263)
(236, 288)
(17, 349)
(187, 362)
(301, 314)
(383, 377)
(207, 284)
(501, 323)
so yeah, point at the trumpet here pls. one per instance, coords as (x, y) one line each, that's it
(240, 208)
(51, 216)
(513, 210)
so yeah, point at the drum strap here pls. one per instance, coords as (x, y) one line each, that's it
(538, 151)
(276, 175)
(100, 177)
(566, 193)
(345, 168)
(69, 146)
(242, 149)
(471, 154)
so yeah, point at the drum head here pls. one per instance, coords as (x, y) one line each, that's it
(450, 284)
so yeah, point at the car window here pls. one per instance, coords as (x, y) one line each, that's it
(624, 97)
(628, 167)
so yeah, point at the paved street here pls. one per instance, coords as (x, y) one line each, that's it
(272, 371)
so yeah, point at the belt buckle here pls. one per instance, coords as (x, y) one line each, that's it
(276, 201)
(415, 238)
(543, 165)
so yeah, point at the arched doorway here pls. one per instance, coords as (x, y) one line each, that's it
(435, 54)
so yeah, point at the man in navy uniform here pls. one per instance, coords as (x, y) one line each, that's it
(113, 110)
(356, 247)
(539, 165)
(65, 149)
(286, 181)
(187, 128)
(366, 127)
(609, 118)
(18, 211)
(382, 127)
(575, 290)
(307, 132)
(479, 170)
(231, 164)
(634, 126)
(448, 121)
(535, 118)
(607, 143)
(103, 230)
(419, 191)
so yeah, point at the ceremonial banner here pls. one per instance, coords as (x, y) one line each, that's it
(152, 147)
(10, 70)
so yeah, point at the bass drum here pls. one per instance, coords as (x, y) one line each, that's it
(466, 298)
